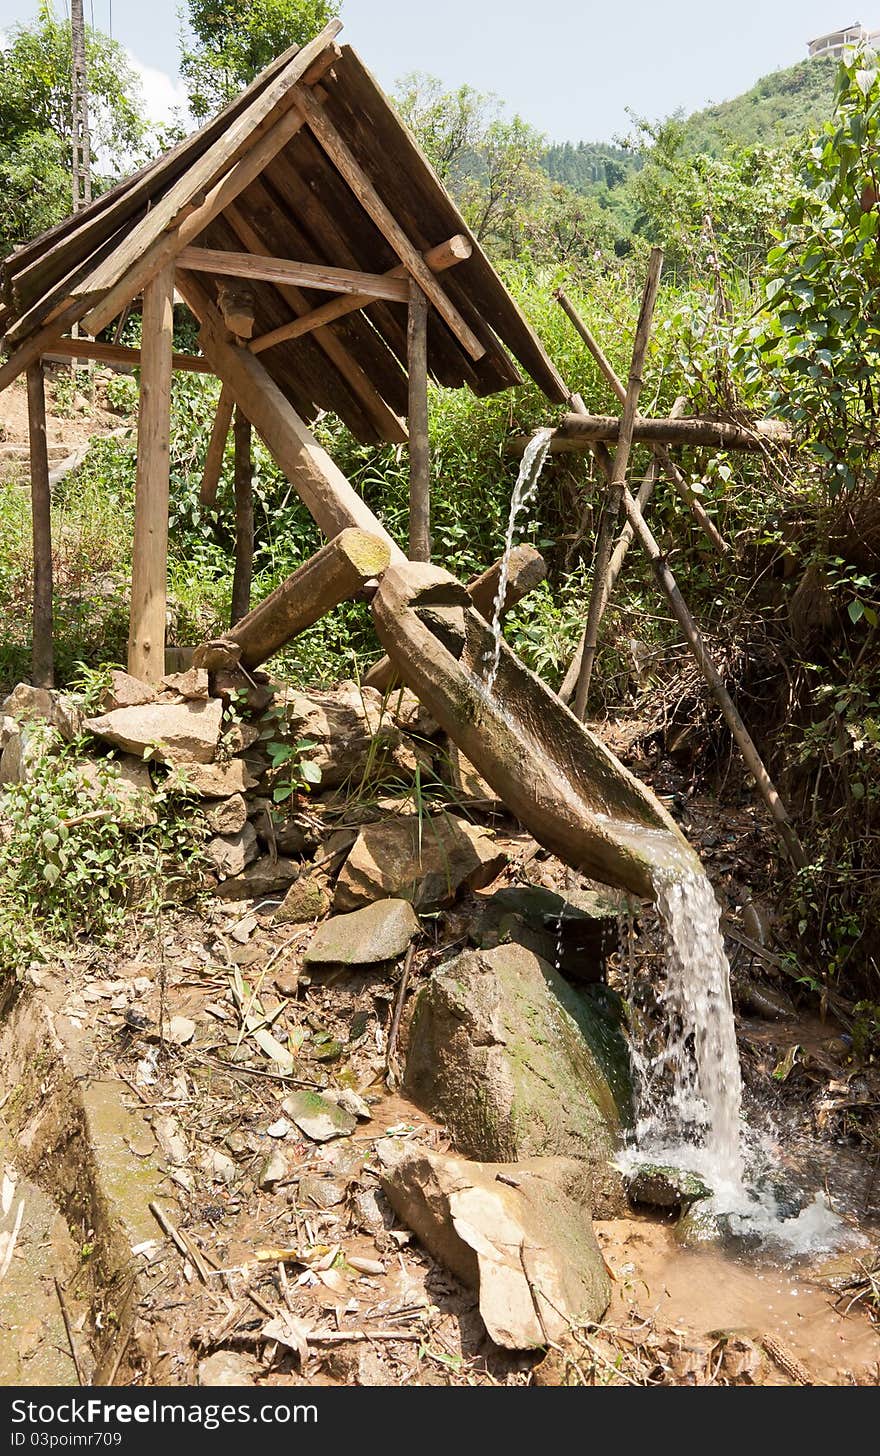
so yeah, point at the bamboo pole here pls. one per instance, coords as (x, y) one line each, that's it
(615, 565)
(668, 585)
(617, 482)
(419, 451)
(679, 484)
(146, 641)
(43, 665)
(244, 518)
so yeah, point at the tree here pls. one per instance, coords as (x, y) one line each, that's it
(490, 163)
(232, 41)
(36, 122)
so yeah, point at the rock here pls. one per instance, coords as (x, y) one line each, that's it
(351, 1101)
(265, 877)
(27, 704)
(520, 1234)
(409, 714)
(296, 835)
(125, 691)
(179, 733)
(470, 786)
(380, 932)
(427, 861)
(180, 1030)
(129, 780)
(229, 816)
(758, 921)
(317, 1117)
(230, 854)
(192, 684)
(250, 692)
(274, 1170)
(219, 1166)
(352, 733)
(660, 1186)
(23, 751)
(227, 1367)
(577, 935)
(320, 1192)
(213, 780)
(306, 900)
(518, 1063)
(286, 983)
(242, 736)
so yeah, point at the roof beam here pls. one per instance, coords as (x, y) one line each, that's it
(455, 250)
(224, 170)
(383, 417)
(267, 269)
(346, 163)
(119, 354)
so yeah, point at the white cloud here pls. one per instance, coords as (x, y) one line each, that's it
(162, 94)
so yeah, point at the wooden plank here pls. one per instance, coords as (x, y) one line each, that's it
(146, 641)
(216, 449)
(42, 659)
(344, 160)
(120, 354)
(419, 450)
(387, 424)
(418, 197)
(37, 345)
(325, 491)
(579, 432)
(222, 172)
(286, 270)
(455, 250)
(244, 518)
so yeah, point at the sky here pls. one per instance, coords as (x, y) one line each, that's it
(572, 74)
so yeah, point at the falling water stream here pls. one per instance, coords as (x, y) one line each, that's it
(530, 469)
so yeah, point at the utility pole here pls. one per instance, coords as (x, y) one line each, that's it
(80, 140)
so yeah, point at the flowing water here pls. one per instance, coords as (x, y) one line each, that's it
(530, 469)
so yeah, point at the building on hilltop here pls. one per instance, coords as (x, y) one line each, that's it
(838, 42)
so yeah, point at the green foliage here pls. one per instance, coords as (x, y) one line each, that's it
(36, 121)
(818, 338)
(777, 109)
(233, 41)
(76, 853)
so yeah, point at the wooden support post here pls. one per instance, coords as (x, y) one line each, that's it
(43, 665)
(146, 640)
(419, 451)
(244, 518)
(617, 483)
(615, 565)
(216, 447)
(679, 484)
(334, 574)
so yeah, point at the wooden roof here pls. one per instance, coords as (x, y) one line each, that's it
(310, 163)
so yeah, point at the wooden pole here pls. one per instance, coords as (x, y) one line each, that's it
(146, 641)
(216, 448)
(615, 565)
(578, 431)
(680, 485)
(334, 574)
(668, 585)
(43, 665)
(244, 518)
(419, 451)
(608, 523)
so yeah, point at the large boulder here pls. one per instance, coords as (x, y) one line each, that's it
(27, 704)
(577, 934)
(519, 1234)
(212, 780)
(426, 860)
(178, 733)
(125, 691)
(517, 1063)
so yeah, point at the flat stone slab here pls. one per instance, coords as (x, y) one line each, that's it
(179, 733)
(380, 932)
(215, 780)
(318, 1118)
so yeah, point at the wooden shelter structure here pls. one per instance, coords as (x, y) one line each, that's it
(328, 269)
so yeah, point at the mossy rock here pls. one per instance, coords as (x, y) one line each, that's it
(518, 1063)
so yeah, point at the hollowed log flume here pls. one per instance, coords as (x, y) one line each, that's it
(560, 781)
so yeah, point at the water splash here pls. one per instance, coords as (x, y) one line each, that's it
(530, 469)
